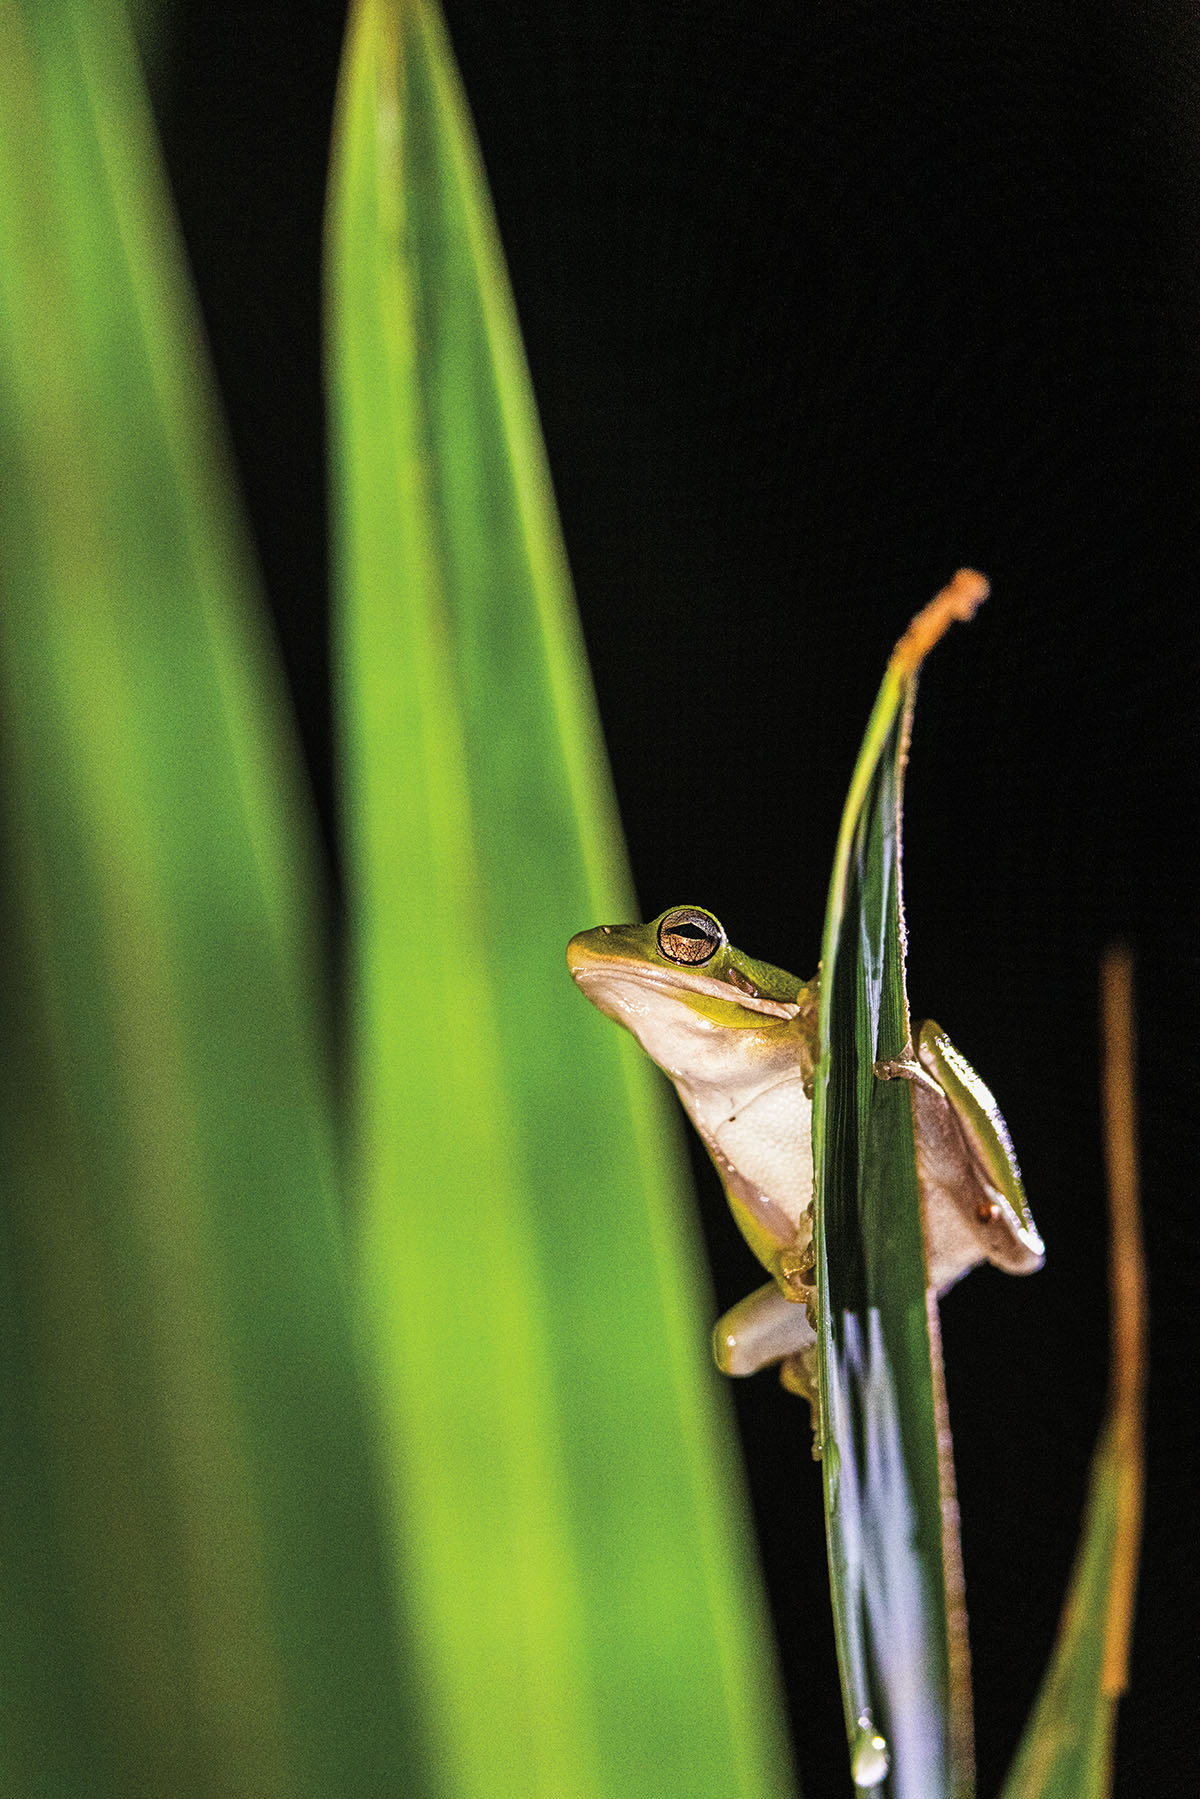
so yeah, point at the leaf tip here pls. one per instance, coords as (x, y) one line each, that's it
(957, 602)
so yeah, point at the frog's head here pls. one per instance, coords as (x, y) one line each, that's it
(680, 986)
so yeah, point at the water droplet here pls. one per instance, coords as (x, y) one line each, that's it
(869, 1758)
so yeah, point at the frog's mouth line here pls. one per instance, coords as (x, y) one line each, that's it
(648, 976)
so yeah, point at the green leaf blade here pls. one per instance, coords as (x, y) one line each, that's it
(894, 1564)
(1066, 1751)
(585, 1616)
(196, 1558)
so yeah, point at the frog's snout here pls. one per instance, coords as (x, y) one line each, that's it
(578, 952)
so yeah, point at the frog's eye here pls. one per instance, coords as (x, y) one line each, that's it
(689, 936)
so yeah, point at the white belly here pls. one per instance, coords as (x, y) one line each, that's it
(769, 1141)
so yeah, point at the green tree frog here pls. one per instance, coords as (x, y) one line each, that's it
(739, 1040)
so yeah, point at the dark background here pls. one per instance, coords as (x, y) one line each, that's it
(821, 302)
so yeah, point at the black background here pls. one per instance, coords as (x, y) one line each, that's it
(821, 302)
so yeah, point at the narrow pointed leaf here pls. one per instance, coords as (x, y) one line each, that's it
(1066, 1752)
(893, 1549)
(570, 1531)
(193, 1590)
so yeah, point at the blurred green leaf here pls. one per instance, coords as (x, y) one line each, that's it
(1066, 1752)
(194, 1586)
(151, 22)
(570, 1526)
(891, 1521)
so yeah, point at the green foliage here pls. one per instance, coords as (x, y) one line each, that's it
(261, 1487)
(895, 1567)
(1067, 1748)
(1066, 1752)
(893, 1550)
(381, 1453)
(195, 1587)
(567, 1516)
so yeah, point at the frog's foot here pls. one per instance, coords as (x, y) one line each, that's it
(796, 1272)
(798, 1373)
(904, 1067)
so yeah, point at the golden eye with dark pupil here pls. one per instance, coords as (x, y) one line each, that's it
(689, 937)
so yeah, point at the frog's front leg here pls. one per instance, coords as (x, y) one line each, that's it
(973, 1199)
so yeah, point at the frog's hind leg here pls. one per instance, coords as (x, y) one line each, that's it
(768, 1327)
(761, 1329)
